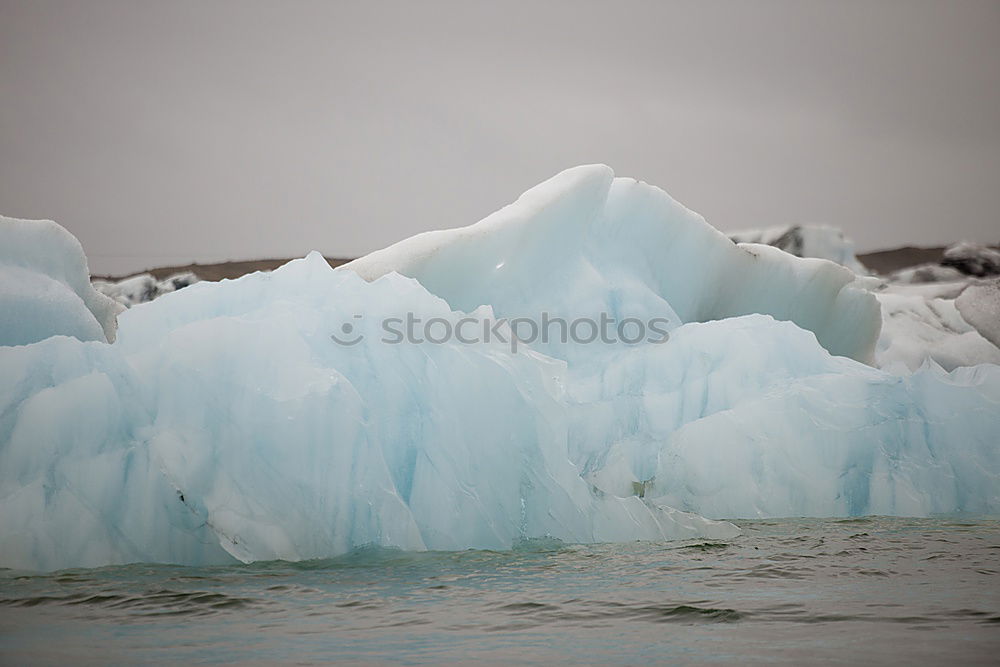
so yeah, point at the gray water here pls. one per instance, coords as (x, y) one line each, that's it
(872, 590)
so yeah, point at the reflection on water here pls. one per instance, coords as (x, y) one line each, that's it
(873, 590)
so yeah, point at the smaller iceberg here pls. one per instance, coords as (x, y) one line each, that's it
(143, 287)
(959, 261)
(45, 286)
(946, 323)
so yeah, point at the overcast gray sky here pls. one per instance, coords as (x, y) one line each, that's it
(164, 132)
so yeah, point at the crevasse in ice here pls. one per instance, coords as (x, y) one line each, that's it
(226, 422)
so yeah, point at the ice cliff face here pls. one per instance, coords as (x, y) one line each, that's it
(45, 286)
(270, 416)
(226, 423)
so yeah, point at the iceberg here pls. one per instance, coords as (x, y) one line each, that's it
(275, 417)
(972, 259)
(143, 287)
(45, 286)
(959, 261)
(936, 322)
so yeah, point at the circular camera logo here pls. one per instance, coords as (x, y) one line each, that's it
(347, 335)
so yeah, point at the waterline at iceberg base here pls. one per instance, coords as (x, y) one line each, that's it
(225, 421)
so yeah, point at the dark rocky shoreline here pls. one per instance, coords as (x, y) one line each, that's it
(881, 261)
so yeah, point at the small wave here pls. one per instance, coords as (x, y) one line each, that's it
(705, 546)
(686, 613)
(152, 603)
(577, 611)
